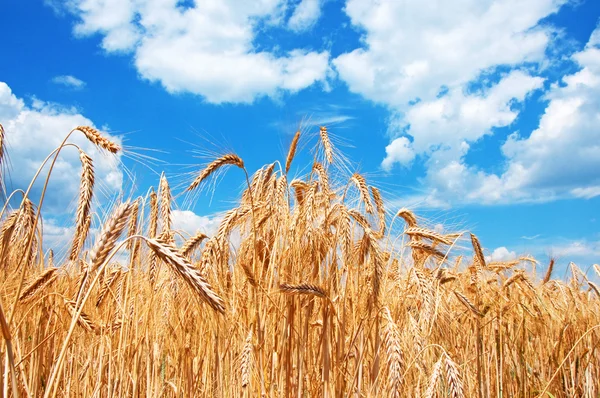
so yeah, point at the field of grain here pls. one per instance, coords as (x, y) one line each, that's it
(310, 287)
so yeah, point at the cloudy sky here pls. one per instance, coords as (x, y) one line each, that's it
(480, 114)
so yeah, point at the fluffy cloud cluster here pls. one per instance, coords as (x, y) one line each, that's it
(422, 61)
(32, 132)
(207, 48)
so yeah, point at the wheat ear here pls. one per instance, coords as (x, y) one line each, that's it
(229, 159)
(292, 151)
(98, 139)
(188, 273)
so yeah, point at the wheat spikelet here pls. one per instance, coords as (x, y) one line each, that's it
(548, 274)
(323, 177)
(380, 211)
(246, 363)
(165, 203)
(110, 233)
(86, 190)
(292, 151)
(187, 272)
(465, 301)
(107, 284)
(280, 195)
(359, 218)
(83, 320)
(361, 185)
(453, 378)
(97, 139)
(327, 147)
(303, 288)
(409, 217)
(435, 375)
(426, 248)
(249, 274)
(132, 228)
(515, 277)
(394, 353)
(478, 252)
(44, 280)
(229, 159)
(191, 244)
(427, 234)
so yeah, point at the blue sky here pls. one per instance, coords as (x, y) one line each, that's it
(480, 115)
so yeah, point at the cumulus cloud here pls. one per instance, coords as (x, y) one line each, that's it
(35, 130)
(191, 223)
(578, 249)
(398, 151)
(69, 81)
(558, 159)
(305, 15)
(412, 50)
(206, 49)
(439, 75)
(501, 254)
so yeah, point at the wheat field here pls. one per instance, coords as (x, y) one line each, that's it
(310, 287)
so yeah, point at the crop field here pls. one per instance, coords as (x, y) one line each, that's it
(311, 286)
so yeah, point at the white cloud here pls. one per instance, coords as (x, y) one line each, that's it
(32, 132)
(578, 249)
(423, 67)
(501, 254)
(398, 151)
(190, 222)
(305, 15)
(207, 49)
(69, 81)
(558, 159)
(412, 50)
